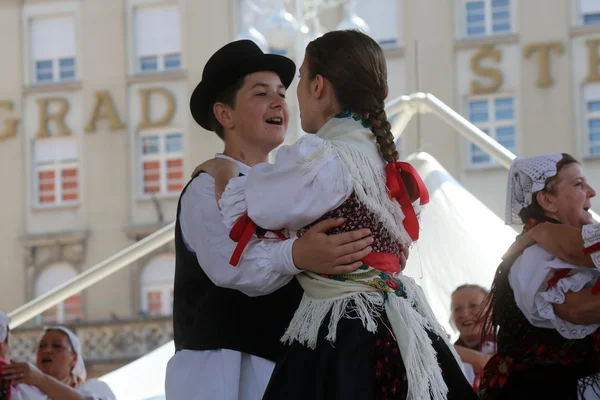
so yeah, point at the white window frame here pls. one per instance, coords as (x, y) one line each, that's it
(162, 157)
(61, 314)
(581, 14)
(489, 22)
(588, 116)
(57, 167)
(61, 10)
(136, 64)
(160, 63)
(67, 271)
(491, 125)
(33, 10)
(166, 298)
(388, 42)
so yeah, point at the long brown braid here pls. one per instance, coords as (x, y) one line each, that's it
(355, 65)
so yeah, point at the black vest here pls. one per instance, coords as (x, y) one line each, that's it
(208, 317)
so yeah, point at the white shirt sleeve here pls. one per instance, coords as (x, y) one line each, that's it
(266, 265)
(288, 194)
(529, 276)
(591, 236)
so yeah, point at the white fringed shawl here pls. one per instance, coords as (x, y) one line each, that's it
(411, 317)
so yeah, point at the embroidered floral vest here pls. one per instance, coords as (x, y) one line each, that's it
(359, 217)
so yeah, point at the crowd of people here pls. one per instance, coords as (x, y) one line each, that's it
(288, 281)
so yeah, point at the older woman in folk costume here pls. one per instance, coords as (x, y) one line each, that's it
(369, 334)
(59, 372)
(542, 352)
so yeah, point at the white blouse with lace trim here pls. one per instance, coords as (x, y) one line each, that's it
(591, 236)
(529, 276)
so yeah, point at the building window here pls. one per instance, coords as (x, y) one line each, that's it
(71, 309)
(496, 117)
(53, 49)
(590, 11)
(161, 157)
(56, 169)
(382, 17)
(592, 119)
(157, 286)
(157, 38)
(487, 17)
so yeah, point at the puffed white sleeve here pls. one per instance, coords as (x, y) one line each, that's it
(591, 237)
(289, 193)
(530, 278)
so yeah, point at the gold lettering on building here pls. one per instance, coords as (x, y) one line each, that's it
(145, 121)
(593, 59)
(104, 109)
(544, 49)
(493, 74)
(10, 124)
(58, 118)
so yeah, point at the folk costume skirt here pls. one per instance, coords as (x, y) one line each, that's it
(360, 365)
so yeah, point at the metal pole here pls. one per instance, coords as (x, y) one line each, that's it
(466, 128)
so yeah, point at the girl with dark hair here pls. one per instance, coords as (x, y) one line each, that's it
(466, 306)
(543, 351)
(368, 334)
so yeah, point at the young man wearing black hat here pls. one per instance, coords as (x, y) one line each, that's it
(228, 320)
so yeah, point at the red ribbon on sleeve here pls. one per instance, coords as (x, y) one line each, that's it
(242, 232)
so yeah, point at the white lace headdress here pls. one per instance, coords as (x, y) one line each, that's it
(79, 369)
(527, 175)
(4, 322)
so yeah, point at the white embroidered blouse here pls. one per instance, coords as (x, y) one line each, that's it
(529, 278)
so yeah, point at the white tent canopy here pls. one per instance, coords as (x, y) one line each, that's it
(461, 242)
(143, 379)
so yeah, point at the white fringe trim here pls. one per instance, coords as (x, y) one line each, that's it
(366, 179)
(425, 380)
(304, 327)
(410, 319)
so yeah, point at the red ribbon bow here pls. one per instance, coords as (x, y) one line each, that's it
(242, 232)
(396, 175)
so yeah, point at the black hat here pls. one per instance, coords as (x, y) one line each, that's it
(230, 63)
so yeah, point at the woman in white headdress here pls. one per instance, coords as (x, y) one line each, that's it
(59, 372)
(542, 351)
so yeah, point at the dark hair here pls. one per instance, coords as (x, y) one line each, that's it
(497, 297)
(227, 97)
(355, 66)
(7, 334)
(535, 211)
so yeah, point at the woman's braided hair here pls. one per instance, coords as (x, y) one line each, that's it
(355, 66)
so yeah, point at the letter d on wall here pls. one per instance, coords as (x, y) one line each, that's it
(146, 94)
